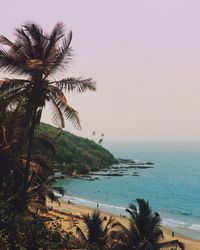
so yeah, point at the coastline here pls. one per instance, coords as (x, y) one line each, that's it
(78, 210)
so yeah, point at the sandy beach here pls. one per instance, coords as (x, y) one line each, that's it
(73, 219)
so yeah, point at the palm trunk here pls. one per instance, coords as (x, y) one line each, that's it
(30, 145)
(22, 192)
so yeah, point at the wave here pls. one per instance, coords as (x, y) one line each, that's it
(181, 224)
(102, 206)
(184, 213)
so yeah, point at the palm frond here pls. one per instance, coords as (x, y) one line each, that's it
(80, 85)
(122, 230)
(109, 224)
(26, 41)
(7, 84)
(57, 118)
(57, 33)
(80, 234)
(60, 57)
(68, 112)
(6, 41)
(172, 243)
(37, 37)
(11, 63)
(12, 98)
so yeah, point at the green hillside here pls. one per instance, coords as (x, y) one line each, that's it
(76, 152)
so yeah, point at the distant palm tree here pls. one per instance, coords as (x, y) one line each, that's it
(93, 135)
(101, 140)
(96, 236)
(38, 56)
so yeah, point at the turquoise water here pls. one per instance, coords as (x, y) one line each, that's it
(172, 187)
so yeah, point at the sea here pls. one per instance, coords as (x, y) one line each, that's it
(172, 186)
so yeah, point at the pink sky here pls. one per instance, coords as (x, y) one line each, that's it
(144, 55)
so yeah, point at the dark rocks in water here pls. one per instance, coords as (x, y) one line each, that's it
(115, 167)
(131, 163)
(143, 163)
(108, 174)
(86, 178)
(150, 163)
(139, 166)
(143, 167)
(121, 169)
(125, 161)
(115, 174)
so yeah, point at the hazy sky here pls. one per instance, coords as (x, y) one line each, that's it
(144, 56)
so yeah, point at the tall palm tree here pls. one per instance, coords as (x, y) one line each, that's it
(97, 235)
(38, 56)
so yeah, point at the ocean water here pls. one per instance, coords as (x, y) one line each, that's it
(172, 186)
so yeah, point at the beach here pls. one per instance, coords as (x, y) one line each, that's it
(72, 219)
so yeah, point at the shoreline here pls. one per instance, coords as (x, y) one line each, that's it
(78, 210)
(117, 210)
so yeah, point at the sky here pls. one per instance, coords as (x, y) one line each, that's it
(144, 56)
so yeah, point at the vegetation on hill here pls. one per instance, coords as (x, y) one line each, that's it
(73, 152)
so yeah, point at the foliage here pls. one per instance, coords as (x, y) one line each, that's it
(144, 224)
(74, 151)
(25, 194)
(97, 234)
(19, 232)
(144, 232)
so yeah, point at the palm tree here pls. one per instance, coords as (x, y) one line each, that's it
(144, 224)
(144, 231)
(93, 135)
(38, 56)
(97, 236)
(101, 139)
